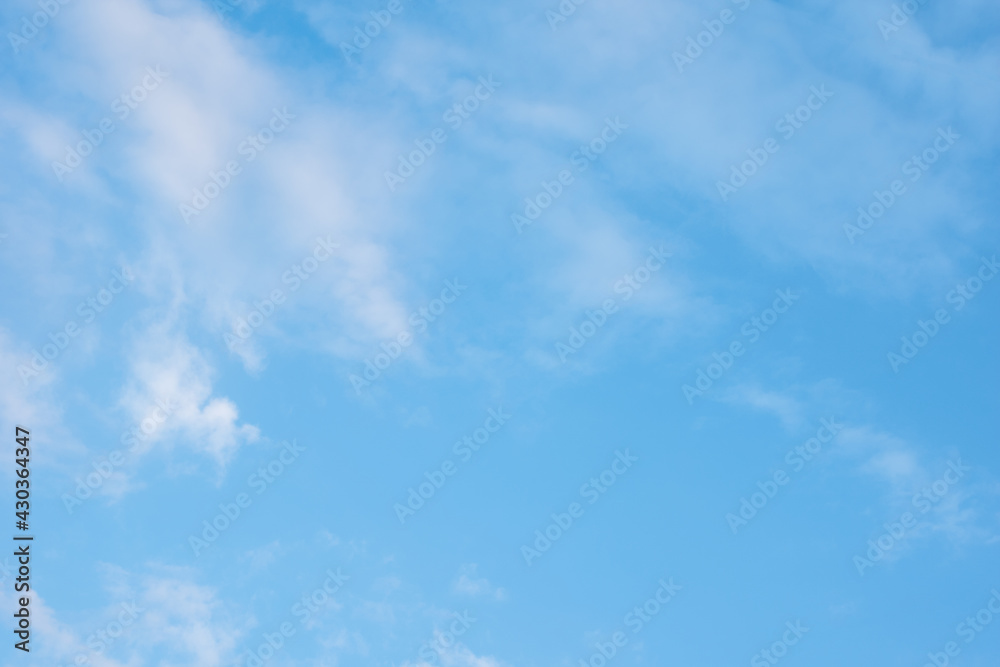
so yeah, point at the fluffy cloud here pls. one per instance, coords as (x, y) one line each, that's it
(166, 367)
(467, 583)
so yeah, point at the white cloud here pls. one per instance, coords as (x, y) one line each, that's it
(316, 178)
(458, 655)
(162, 618)
(900, 467)
(165, 366)
(782, 405)
(467, 583)
(33, 407)
(261, 557)
(188, 619)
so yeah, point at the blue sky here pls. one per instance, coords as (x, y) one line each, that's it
(661, 334)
